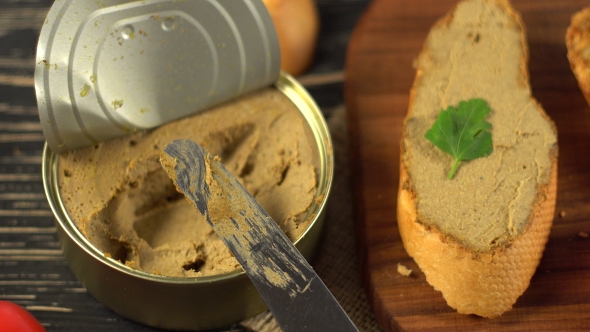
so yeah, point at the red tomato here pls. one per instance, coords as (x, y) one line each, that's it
(14, 318)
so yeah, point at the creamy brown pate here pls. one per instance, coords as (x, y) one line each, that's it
(121, 199)
(489, 201)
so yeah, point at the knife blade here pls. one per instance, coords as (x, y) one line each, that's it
(296, 296)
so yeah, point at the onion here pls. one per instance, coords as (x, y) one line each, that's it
(297, 26)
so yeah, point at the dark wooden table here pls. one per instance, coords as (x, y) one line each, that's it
(379, 71)
(33, 272)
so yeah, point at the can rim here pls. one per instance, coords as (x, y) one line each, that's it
(298, 95)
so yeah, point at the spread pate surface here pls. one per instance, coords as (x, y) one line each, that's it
(489, 201)
(121, 199)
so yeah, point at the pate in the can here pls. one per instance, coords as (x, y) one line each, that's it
(191, 299)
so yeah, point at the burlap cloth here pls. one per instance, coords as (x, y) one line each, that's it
(336, 261)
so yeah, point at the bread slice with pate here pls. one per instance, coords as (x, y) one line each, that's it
(577, 40)
(479, 236)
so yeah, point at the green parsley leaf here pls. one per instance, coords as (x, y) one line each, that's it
(462, 131)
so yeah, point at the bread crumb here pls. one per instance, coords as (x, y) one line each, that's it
(562, 214)
(403, 270)
(583, 235)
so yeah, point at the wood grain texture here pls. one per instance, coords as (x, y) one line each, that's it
(379, 75)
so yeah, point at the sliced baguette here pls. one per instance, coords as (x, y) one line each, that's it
(577, 40)
(478, 237)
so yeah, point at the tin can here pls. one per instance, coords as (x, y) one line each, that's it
(186, 303)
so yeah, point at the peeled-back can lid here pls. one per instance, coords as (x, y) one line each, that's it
(108, 68)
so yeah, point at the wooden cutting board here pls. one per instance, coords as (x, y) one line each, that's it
(379, 75)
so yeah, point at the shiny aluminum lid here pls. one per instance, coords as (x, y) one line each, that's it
(106, 68)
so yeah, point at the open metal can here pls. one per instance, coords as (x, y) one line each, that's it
(108, 68)
(186, 303)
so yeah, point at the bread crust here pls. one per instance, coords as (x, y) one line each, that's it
(483, 283)
(577, 40)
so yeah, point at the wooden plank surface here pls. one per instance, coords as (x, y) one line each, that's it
(379, 75)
